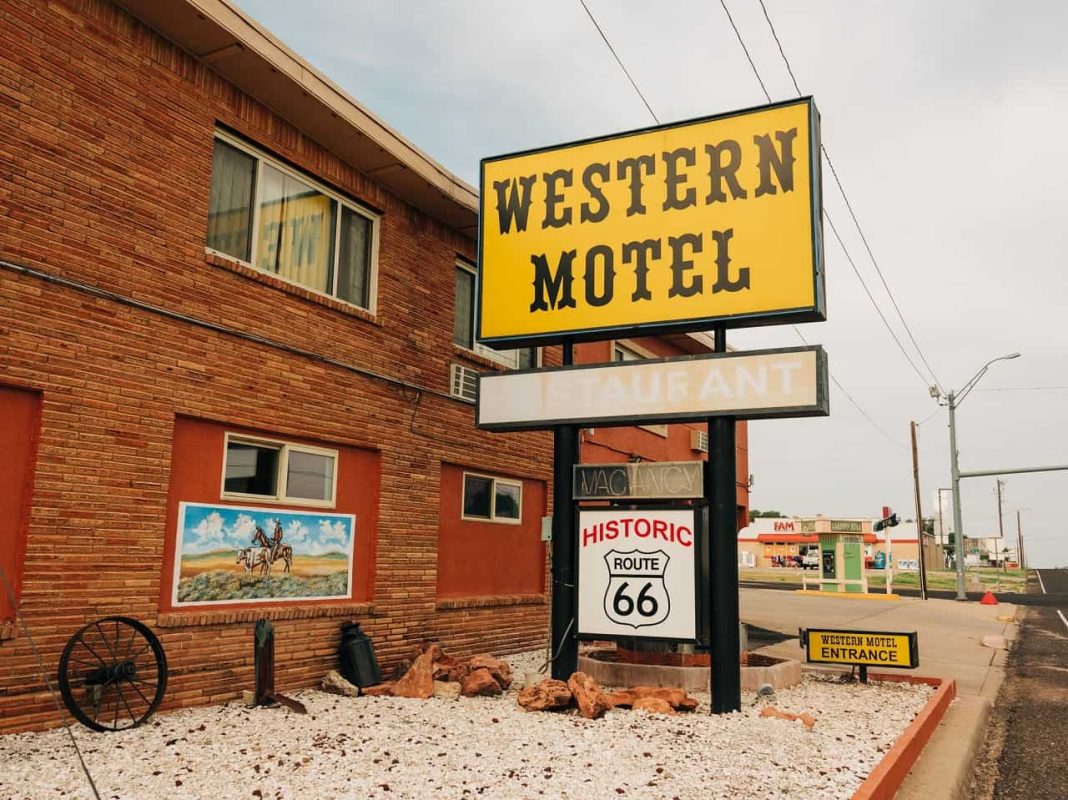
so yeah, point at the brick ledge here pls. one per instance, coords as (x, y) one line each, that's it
(246, 270)
(180, 619)
(491, 601)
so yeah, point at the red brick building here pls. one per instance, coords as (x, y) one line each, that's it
(230, 296)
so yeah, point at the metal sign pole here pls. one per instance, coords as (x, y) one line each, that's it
(721, 491)
(565, 546)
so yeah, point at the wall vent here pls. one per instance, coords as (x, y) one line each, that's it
(463, 383)
(699, 441)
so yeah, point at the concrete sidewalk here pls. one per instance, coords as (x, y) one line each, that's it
(950, 645)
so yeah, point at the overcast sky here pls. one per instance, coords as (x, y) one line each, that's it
(946, 122)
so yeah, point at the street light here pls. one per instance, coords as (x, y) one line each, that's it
(954, 399)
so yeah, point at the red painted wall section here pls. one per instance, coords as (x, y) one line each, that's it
(477, 559)
(20, 419)
(196, 477)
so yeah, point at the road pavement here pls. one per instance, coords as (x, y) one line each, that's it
(1025, 754)
(950, 633)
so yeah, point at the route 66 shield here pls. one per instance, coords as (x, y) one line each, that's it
(637, 595)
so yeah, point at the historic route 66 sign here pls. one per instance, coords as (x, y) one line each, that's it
(636, 594)
(637, 573)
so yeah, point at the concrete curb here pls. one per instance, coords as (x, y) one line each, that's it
(889, 774)
(848, 595)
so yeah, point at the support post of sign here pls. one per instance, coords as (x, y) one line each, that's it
(565, 546)
(863, 674)
(721, 492)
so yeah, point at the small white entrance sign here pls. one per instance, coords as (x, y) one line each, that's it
(790, 382)
(637, 574)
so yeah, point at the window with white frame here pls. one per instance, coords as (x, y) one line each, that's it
(463, 331)
(284, 223)
(277, 471)
(492, 499)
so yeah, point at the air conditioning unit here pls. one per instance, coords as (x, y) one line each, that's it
(699, 441)
(463, 383)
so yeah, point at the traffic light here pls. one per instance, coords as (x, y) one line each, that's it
(889, 522)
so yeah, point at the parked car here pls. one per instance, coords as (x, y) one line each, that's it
(811, 559)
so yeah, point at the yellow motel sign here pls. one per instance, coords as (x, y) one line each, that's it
(861, 648)
(713, 221)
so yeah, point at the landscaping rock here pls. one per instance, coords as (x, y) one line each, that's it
(446, 690)
(480, 683)
(334, 683)
(549, 695)
(418, 681)
(654, 705)
(501, 672)
(378, 690)
(592, 701)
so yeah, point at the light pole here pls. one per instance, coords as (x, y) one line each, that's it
(954, 399)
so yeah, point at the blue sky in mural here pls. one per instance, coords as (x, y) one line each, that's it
(206, 528)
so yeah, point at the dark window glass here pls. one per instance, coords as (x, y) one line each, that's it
(507, 501)
(354, 262)
(477, 496)
(230, 210)
(310, 476)
(251, 469)
(463, 332)
(527, 358)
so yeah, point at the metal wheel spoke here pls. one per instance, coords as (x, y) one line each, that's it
(130, 643)
(133, 717)
(147, 701)
(96, 655)
(107, 644)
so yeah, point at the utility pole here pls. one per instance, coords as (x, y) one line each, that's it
(919, 513)
(1001, 522)
(1019, 542)
(954, 472)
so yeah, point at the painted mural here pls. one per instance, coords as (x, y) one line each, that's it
(240, 554)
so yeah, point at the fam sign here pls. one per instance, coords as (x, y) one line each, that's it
(713, 221)
(790, 382)
(637, 573)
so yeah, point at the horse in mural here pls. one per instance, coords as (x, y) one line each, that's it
(267, 551)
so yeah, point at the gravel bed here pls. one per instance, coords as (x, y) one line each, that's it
(388, 748)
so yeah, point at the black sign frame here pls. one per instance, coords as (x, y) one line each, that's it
(912, 636)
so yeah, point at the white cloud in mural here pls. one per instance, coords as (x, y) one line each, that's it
(333, 532)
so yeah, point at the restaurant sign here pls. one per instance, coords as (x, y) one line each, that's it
(789, 382)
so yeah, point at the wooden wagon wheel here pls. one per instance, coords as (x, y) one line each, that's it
(113, 674)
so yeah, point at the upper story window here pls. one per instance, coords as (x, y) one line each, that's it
(266, 214)
(279, 471)
(463, 332)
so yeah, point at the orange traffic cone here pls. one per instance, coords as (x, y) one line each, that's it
(988, 600)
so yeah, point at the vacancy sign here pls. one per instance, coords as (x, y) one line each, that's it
(790, 382)
(637, 574)
(714, 221)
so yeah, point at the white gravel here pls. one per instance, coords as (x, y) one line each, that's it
(389, 748)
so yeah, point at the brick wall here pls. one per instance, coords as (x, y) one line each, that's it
(105, 164)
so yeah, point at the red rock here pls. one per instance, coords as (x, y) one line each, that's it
(674, 697)
(501, 672)
(808, 719)
(772, 711)
(688, 704)
(621, 699)
(480, 683)
(548, 695)
(419, 680)
(378, 690)
(653, 705)
(592, 702)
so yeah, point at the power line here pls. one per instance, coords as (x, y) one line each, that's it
(827, 215)
(845, 197)
(619, 61)
(1025, 389)
(638, 91)
(852, 400)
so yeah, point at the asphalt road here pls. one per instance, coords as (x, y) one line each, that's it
(1026, 755)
